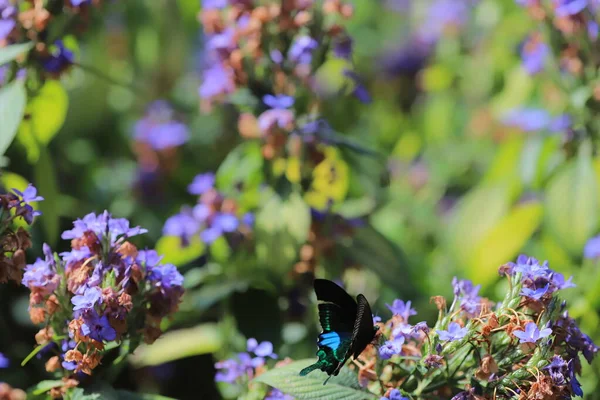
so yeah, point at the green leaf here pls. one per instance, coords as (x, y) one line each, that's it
(282, 226)
(504, 241)
(374, 251)
(517, 87)
(174, 253)
(45, 180)
(33, 353)
(572, 206)
(286, 378)
(174, 345)
(45, 386)
(242, 165)
(12, 107)
(211, 293)
(475, 215)
(79, 394)
(9, 53)
(47, 113)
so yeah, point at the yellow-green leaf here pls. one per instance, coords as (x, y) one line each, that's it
(174, 253)
(504, 241)
(476, 214)
(175, 345)
(572, 203)
(12, 107)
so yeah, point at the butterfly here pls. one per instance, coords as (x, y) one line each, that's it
(347, 327)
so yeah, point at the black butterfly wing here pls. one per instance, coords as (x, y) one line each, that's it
(364, 331)
(337, 316)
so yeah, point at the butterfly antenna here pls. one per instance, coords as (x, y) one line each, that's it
(326, 380)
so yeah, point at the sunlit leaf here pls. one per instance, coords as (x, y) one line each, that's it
(47, 185)
(12, 107)
(504, 241)
(10, 53)
(572, 204)
(175, 345)
(175, 253)
(474, 217)
(243, 165)
(517, 87)
(287, 379)
(47, 112)
(44, 386)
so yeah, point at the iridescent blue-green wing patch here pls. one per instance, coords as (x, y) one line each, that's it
(364, 331)
(337, 316)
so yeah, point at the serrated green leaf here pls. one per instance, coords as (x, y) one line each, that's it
(79, 394)
(504, 241)
(174, 345)
(174, 253)
(286, 378)
(9, 53)
(572, 203)
(45, 180)
(12, 107)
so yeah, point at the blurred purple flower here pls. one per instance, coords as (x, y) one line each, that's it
(342, 48)
(399, 307)
(279, 101)
(359, 90)
(202, 183)
(276, 394)
(59, 59)
(275, 117)
(214, 4)
(217, 80)
(454, 332)
(534, 54)
(527, 119)
(532, 334)
(8, 13)
(166, 276)
(78, 3)
(567, 8)
(592, 248)
(223, 41)
(276, 56)
(183, 225)
(301, 50)
(262, 349)
(4, 361)
(158, 128)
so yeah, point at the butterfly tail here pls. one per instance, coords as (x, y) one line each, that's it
(310, 368)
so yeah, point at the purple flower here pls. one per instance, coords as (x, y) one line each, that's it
(342, 48)
(592, 248)
(391, 348)
(223, 41)
(78, 3)
(276, 56)
(202, 183)
(148, 258)
(575, 385)
(359, 91)
(59, 59)
(166, 276)
(558, 281)
(301, 50)
(100, 225)
(276, 394)
(4, 361)
(41, 275)
(534, 294)
(467, 294)
(98, 328)
(211, 234)
(557, 368)
(454, 332)
(527, 119)
(275, 117)
(531, 268)
(229, 372)
(86, 301)
(279, 101)
(183, 225)
(567, 8)
(29, 195)
(158, 128)
(443, 14)
(395, 394)
(76, 255)
(8, 13)
(217, 80)
(226, 222)
(248, 219)
(532, 334)
(23, 207)
(376, 319)
(534, 55)
(262, 349)
(399, 307)
(214, 4)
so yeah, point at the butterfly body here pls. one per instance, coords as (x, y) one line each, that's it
(347, 327)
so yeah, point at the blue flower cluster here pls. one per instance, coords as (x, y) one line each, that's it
(159, 129)
(103, 290)
(212, 217)
(246, 363)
